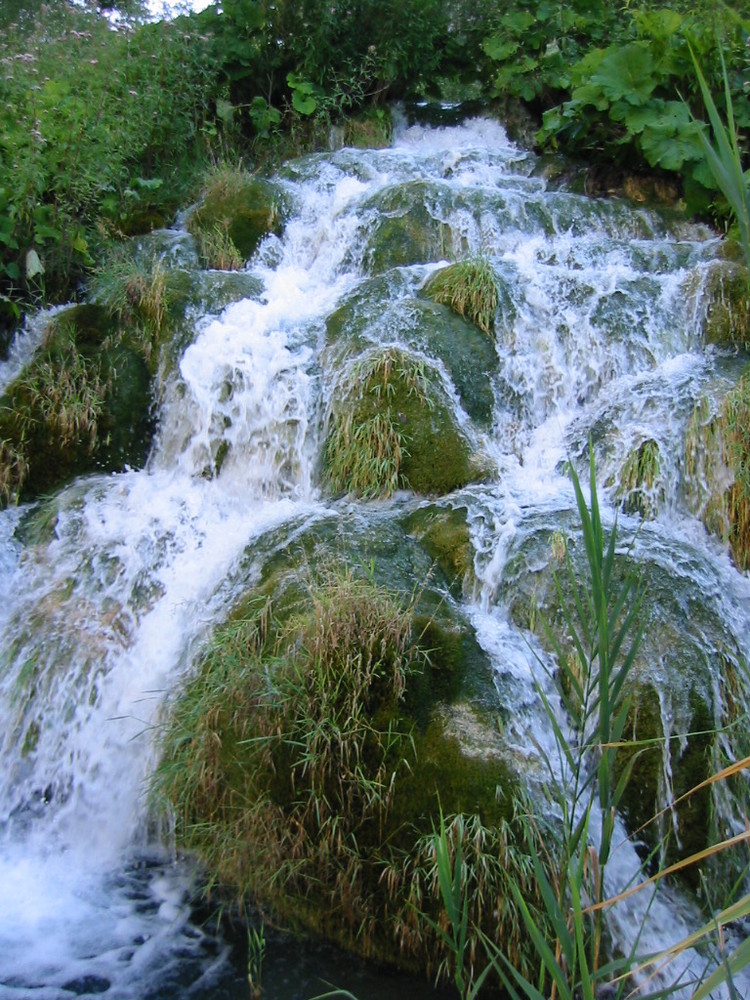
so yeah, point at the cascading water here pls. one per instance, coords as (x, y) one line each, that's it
(112, 586)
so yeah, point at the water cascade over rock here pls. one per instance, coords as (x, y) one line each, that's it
(318, 408)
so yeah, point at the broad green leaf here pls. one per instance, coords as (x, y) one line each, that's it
(34, 265)
(669, 150)
(305, 105)
(627, 73)
(519, 21)
(499, 47)
(661, 25)
(657, 113)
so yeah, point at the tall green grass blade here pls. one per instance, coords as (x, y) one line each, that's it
(546, 955)
(724, 160)
(732, 964)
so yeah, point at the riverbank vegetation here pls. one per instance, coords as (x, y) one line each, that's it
(108, 125)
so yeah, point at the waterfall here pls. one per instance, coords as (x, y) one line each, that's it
(113, 584)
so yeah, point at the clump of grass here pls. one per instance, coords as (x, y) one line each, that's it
(469, 288)
(639, 479)
(14, 467)
(717, 466)
(134, 290)
(68, 393)
(458, 881)
(367, 444)
(236, 211)
(735, 431)
(291, 766)
(287, 723)
(218, 251)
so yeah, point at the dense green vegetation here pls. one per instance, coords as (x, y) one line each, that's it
(104, 129)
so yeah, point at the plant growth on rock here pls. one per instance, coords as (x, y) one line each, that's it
(390, 429)
(297, 772)
(469, 288)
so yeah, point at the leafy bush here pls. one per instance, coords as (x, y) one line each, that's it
(626, 100)
(92, 120)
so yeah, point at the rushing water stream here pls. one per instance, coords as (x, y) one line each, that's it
(599, 337)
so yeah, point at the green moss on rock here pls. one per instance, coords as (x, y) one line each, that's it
(391, 429)
(238, 207)
(381, 310)
(405, 231)
(727, 288)
(444, 534)
(83, 403)
(717, 464)
(640, 488)
(297, 773)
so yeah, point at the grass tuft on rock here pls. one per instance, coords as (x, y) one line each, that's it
(236, 212)
(469, 288)
(389, 429)
(639, 486)
(735, 430)
(294, 771)
(717, 467)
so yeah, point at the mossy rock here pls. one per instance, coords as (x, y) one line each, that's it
(640, 486)
(727, 289)
(689, 767)
(444, 534)
(301, 776)
(382, 311)
(405, 231)
(82, 403)
(717, 468)
(392, 428)
(372, 130)
(244, 207)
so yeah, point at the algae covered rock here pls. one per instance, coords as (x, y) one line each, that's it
(406, 229)
(82, 403)
(384, 310)
(392, 428)
(640, 486)
(444, 534)
(469, 288)
(236, 212)
(717, 468)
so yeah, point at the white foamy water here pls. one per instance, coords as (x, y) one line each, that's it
(109, 600)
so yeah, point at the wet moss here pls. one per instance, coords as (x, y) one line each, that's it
(469, 357)
(371, 130)
(405, 231)
(299, 773)
(643, 752)
(445, 536)
(717, 464)
(727, 290)
(640, 488)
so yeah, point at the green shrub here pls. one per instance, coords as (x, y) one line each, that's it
(93, 123)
